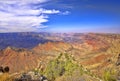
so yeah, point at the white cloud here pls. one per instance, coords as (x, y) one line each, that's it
(66, 13)
(51, 11)
(20, 16)
(22, 2)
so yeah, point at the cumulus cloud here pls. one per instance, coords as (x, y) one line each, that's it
(21, 16)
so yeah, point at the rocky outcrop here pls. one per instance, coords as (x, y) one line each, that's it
(118, 60)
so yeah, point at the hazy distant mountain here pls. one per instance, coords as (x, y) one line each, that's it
(30, 39)
(21, 40)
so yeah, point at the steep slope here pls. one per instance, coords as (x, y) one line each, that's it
(18, 59)
(52, 48)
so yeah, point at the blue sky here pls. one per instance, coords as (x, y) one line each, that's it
(60, 16)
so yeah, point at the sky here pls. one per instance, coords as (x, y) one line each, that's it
(99, 16)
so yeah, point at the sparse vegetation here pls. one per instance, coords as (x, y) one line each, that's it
(64, 68)
(109, 75)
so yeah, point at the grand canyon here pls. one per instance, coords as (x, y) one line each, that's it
(60, 56)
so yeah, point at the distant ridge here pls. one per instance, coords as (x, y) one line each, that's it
(31, 39)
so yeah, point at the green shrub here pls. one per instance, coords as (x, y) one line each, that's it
(60, 66)
(108, 76)
(54, 69)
